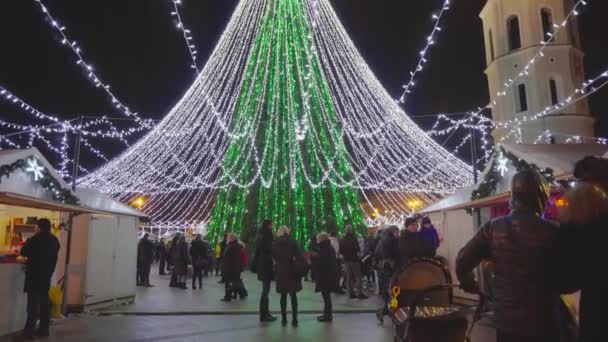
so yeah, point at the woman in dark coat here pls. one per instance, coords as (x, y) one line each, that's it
(263, 266)
(285, 251)
(181, 259)
(231, 266)
(327, 270)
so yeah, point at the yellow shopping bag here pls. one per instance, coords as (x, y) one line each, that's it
(56, 298)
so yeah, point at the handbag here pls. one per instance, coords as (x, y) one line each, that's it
(300, 266)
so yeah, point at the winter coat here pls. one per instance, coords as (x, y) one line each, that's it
(145, 252)
(199, 252)
(430, 234)
(41, 251)
(171, 249)
(387, 253)
(231, 262)
(263, 256)
(161, 250)
(575, 267)
(284, 251)
(412, 245)
(370, 244)
(349, 248)
(180, 258)
(327, 268)
(518, 246)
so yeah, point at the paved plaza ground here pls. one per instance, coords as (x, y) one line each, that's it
(166, 314)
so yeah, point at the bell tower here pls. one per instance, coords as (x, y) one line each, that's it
(514, 33)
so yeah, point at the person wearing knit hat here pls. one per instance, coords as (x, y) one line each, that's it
(411, 244)
(429, 233)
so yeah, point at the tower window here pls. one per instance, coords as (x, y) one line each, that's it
(492, 54)
(547, 20)
(514, 34)
(522, 98)
(553, 89)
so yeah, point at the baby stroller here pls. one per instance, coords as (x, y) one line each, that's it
(422, 308)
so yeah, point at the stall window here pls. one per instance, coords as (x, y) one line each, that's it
(547, 20)
(553, 89)
(514, 33)
(522, 98)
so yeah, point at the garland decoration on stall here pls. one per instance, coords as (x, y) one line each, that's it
(42, 176)
(493, 176)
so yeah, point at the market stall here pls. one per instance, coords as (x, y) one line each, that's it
(104, 244)
(459, 216)
(103, 261)
(29, 189)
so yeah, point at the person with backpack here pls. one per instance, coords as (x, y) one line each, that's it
(388, 262)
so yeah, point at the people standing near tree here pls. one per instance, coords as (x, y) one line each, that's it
(518, 245)
(262, 265)
(286, 254)
(231, 266)
(223, 246)
(181, 259)
(217, 258)
(581, 240)
(199, 250)
(41, 251)
(369, 248)
(428, 232)
(349, 248)
(170, 252)
(388, 263)
(313, 252)
(335, 244)
(327, 268)
(145, 257)
(411, 243)
(161, 250)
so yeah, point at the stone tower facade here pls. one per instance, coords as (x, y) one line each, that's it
(514, 33)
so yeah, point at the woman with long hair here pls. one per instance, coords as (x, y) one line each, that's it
(263, 266)
(286, 254)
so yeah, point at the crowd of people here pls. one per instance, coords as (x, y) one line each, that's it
(528, 261)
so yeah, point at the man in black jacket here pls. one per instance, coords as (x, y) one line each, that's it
(145, 257)
(518, 245)
(41, 252)
(388, 262)
(349, 248)
(412, 244)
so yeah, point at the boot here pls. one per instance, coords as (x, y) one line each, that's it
(325, 318)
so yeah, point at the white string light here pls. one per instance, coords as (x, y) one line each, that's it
(186, 33)
(86, 67)
(430, 41)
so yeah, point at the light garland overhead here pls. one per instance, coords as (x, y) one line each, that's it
(316, 103)
(430, 41)
(186, 33)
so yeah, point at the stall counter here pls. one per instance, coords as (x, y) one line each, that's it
(14, 300)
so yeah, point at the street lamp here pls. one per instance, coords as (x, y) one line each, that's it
(139, 202)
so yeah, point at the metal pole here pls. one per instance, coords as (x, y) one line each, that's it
(473, 153)
(68, 251)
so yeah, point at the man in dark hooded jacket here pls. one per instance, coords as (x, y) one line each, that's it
(41, 251)
(518, 245)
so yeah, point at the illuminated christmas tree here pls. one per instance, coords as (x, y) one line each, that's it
(287, 97)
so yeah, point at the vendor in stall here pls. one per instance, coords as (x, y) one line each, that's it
(41, 251)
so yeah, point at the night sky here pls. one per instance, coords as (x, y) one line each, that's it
(136, 48)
